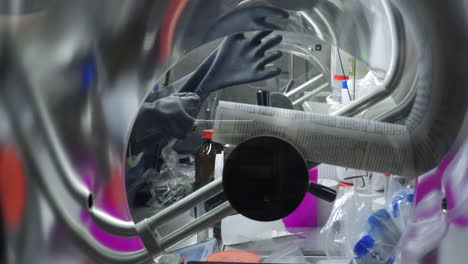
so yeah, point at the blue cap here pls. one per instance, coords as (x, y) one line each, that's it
(88, 74)
(344, 84)
(410, 197)
(395, 209)
(363, 245)
(379, 216)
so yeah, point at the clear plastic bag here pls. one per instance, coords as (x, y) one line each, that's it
(371, 250)
(428, 223)
(172, 165)
(346, 225)
(165, 192)
(399, 202)
(286, 253)
(427, 226)
(175, 179)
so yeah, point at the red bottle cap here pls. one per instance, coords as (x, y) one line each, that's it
(208, 133)
(338, 77)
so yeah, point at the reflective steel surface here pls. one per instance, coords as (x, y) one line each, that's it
(73, 75)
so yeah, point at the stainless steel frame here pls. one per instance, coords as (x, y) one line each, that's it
(52, 118)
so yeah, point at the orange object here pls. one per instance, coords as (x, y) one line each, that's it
(208, 134)
(346, 184)
(12, 187)
(168, 28)
(340, 77)
(234, 256)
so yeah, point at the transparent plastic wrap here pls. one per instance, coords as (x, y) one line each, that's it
(399, 202)
(289, 252)
(378, 243)
(172, 165)
(238, 229)
(369, 250)
(355, 90)
(355, 231)
(166, 191)
(346, 225)
(174, 181)
(429, 223)
(426, 228)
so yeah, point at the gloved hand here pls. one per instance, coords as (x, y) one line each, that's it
(241, 20)
(188, 84)
(171, 116)
(245, 20)
(241, 60)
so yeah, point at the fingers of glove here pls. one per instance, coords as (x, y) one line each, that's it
(262, 11)
(189, 98)
(268, 44)
(269, 58)
(262, 24)
(257, 37)
(244, 20)
(233, 37)
(268, 73)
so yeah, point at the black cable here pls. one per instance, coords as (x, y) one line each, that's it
(354, 80)
(322, 192)
(342, 69)
(168, 76)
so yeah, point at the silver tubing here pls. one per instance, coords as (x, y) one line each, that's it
(68, 175)
(199, 224)
(83, 239)
(391, 81)
(307, 96)
(78, 190)
(304, 86)
(117, 227)
(190, 201)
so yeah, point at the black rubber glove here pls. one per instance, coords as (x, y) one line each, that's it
(245, 20)
(172, 116)
(188, 84)
(241, 60)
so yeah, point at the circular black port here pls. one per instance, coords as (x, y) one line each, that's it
(265, 178)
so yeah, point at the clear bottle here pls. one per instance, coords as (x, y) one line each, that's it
(383, 228)
(370, 251)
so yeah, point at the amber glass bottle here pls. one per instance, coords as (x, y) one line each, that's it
(205, 159)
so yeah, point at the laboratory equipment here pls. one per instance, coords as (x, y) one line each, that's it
(205, 159)
(71, 132)
(369, 251)
(265, 178)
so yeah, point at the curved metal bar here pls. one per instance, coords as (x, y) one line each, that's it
(81, 236)
(113, 225)
(399, 111)
(205, 221)
(78, 190)
(313, 92)
(390, 83)
(68, 175)
(304, 86)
